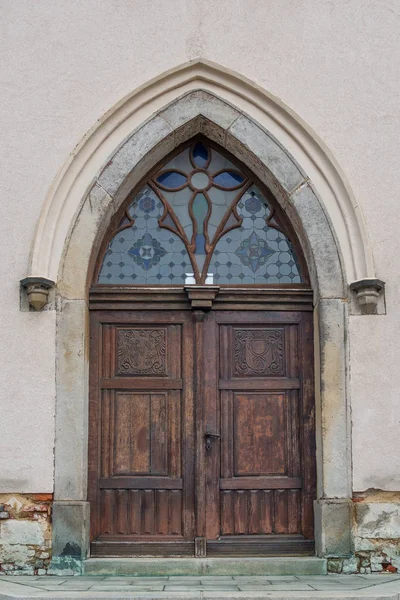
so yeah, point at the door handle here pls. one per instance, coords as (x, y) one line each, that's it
(208, 437)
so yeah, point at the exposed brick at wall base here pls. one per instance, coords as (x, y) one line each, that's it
(25, 533)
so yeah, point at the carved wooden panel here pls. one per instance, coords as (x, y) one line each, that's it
(259, 352)
(260, 432)
(141, 352)
(141, 512)
(262, 512)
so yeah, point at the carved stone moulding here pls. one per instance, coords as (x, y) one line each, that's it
(37, 290)
(367, 292)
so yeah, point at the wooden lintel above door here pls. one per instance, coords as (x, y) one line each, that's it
(110, 297)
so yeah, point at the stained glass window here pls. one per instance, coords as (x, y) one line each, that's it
(199, 219)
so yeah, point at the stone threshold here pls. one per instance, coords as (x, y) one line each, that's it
(307, 565)
(342, 587)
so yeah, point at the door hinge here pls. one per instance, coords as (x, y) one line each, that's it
(200, 547)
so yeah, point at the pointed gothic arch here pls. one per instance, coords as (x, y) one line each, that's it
(201, 98)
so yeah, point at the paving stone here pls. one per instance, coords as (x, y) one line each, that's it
(293, 586)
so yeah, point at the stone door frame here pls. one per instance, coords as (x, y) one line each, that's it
(199, 110)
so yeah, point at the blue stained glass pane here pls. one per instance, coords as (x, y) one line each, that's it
(145, 253)
(257, 253)
(251, 252)
(200, 244)
(200, 210)
(200, 155)
(171, 179)
(228, 179)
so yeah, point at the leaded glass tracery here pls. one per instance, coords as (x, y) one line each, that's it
(200, 218)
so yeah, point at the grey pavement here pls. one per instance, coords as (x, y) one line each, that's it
(379, 586)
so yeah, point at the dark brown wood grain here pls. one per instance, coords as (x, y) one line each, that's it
(141, 425)
(240, 374)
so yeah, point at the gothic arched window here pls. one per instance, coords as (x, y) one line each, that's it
(200, 219)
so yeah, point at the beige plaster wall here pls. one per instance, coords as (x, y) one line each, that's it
(66, 62)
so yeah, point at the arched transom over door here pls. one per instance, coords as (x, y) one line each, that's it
(202, 408)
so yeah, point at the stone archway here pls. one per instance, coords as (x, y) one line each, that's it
(72, 229)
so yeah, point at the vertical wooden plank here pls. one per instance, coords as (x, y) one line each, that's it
(147, 512)
(175, 512)
(107, 511)
(281, 511)
(198, 389)
(105, 469)
(182, 403)
(227, 513)
(139, 427)
(121, 436)
(106, 351)
(121, 511)
(94, 435)
(174, 433)
(293, 427)
(294, 504)
(294, 432)
(174, 354)
(225, 352)
(211, 423)
(241, 512)
(135, 509)
(267, 511)
(162, 509)
(255, 504)
(227, 438)
(308, 426)
(158, 434)
(112, 431)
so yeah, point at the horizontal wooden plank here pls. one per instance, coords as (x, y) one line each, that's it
(249, 297)
(262, 384)
(260, 546)
(144, 383)
(260, 483)
(142, 548)
(264, 317)
(141, 483)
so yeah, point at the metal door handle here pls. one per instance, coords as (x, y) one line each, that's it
(208, 436)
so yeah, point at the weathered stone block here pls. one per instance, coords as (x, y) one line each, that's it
(97, 209)
(268, 150)
(21, 532)
(378, 520)
(18, 555)
(71, 529)
(333, 527)
(324, 249)
(333, 418)
(71, 403)
(350, 565)
(200, 103)
(335, 565)
(131, 152)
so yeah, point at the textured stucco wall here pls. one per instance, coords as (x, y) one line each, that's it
(64, 63)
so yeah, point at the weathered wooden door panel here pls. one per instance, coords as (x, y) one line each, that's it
(144, 488)
(264, 463)
(201, 426)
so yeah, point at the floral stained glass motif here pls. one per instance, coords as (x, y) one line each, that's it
(199, 214)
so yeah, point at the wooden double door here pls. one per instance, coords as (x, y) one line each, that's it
(201, 433)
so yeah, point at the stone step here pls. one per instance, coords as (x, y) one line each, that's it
(302, 565)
